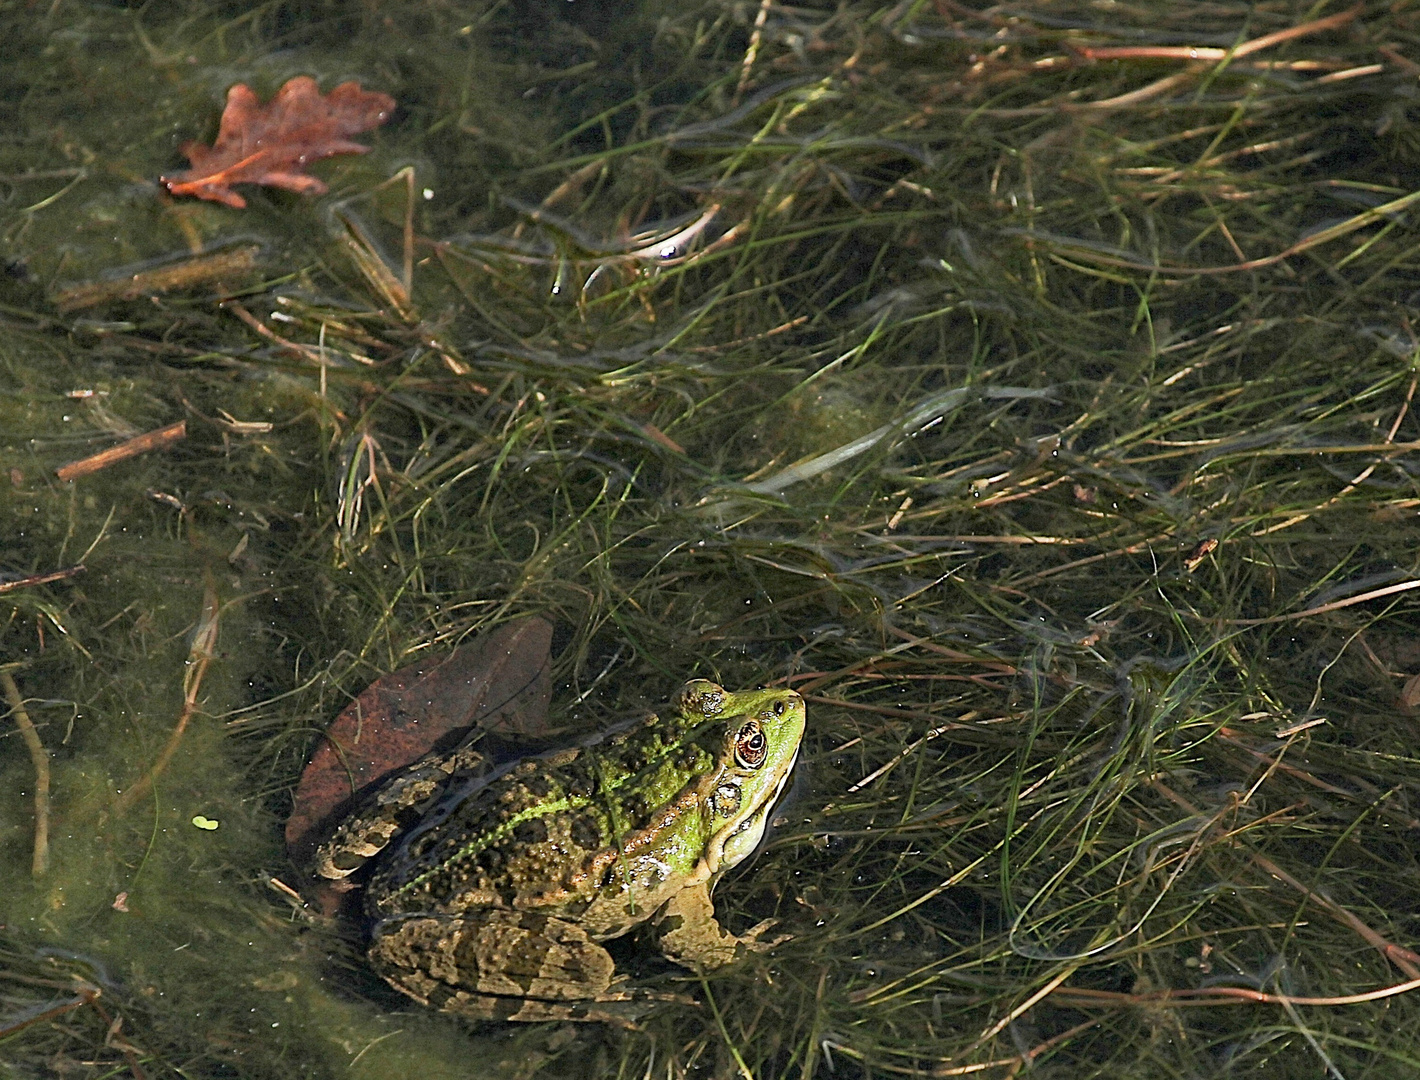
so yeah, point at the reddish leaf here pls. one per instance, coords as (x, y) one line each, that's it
(499, 682)
(271, 144)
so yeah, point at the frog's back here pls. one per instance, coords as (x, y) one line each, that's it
(547, 831)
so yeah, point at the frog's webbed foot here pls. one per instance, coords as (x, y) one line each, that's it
(751, 938)
(690, 935)
(397, 805)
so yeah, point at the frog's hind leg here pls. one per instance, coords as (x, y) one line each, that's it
(497, 964)
(396, 805)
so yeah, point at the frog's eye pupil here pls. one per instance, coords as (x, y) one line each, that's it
(751, 748)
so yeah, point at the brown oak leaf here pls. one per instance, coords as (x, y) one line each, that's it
(273, 143)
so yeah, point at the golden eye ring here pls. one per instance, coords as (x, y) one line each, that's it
(751, 747)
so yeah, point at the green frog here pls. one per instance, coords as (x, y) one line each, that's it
(491, 891)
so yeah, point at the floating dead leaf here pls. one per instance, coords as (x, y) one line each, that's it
(500, 682)
(272, 144)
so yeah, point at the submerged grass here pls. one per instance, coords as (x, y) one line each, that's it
(1044, 413)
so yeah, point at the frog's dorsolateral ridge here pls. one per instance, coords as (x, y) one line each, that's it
(491, 891)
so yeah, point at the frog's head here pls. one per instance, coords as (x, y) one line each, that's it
(759, 742)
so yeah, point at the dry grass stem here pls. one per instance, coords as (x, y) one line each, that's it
(203, 649)
(39, 862)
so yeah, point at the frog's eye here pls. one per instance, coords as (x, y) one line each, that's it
(778, 708)
(750, 746)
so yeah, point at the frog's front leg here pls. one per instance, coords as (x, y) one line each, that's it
(691, 936)
(498, 964)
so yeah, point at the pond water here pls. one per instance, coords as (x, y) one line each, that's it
(1043, 416)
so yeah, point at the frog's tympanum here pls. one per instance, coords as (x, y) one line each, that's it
(491, 891)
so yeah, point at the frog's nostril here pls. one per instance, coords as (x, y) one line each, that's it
(778, 708)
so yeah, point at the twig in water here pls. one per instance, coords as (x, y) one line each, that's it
(214, 267)
(1336, 605)
(1247, 48)
(139, 444)
(204, 645)
(40, 579)
(40, 756)
(756, 38)
(85, 996)
(1220, 995)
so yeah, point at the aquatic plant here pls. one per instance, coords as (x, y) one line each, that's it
(1030, 388)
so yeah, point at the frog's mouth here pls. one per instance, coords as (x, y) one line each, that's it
(783, 783)
(748, 832)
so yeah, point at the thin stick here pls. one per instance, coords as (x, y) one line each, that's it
(1335, 605)
(941, 729)
(1367, 217)
(1221, 995)
(139, 444)
(271, 335)
(409, 232)
(41, 579)
(24, 1021)
(40, 756)
(1132, 549)
(1024, 1007)
(1360, 479)
(204, 644)
(1247, 48)
(129, 1051)
(1405, 959)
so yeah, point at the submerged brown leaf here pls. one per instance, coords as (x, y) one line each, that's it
(272, 144)
(499, 682)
